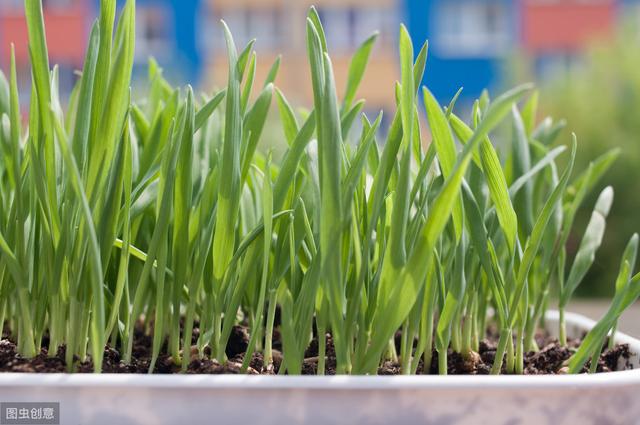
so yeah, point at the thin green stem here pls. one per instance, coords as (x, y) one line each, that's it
(83, 340)
(593, 367)
(405, 353)
(391, 350)
(442, 361)
(503, 343)
(563, 328)
(188, 332)
(174, 330)
(519, 366)
(322, 347)
(467, 331)
(612, 336)
(216, 344)
(161, 301)
(428, 352)
(268, 336)
(27, 346)
(511, 355)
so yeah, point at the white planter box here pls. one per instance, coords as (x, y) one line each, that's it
(610, 398)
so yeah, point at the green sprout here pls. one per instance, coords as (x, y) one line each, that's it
(160, 214)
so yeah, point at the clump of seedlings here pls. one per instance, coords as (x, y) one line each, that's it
(161, 216)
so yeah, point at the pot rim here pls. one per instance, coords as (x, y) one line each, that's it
(245, 382)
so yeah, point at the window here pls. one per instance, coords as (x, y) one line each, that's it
(550, 66)
(152, 32)
(237, 22)
(264, 24)
(57, 5)
(560, 2)
(23, 71)
(207, 31)
(347, 27)
(384, 20)
(472, 29)
(66, 79)
(15, 6)
(11, 5)
(366, 22)
(338, 23)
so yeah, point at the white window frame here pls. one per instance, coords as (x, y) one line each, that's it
(162, 45)
(339, 31)
(384, 19)
(266, 26)
(461, 29)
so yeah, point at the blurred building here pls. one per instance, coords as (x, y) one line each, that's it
(279, 27)
(467, 40)
(555, 33)
(166, 30)
(470, 40)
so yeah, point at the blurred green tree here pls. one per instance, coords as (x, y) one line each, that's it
(598, 94)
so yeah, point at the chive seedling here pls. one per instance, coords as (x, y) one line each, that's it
(162, 215)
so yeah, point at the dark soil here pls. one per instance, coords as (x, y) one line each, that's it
(549, 359)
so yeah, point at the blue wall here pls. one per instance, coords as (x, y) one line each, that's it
(185, 15)
(183, 62)
(445, 74)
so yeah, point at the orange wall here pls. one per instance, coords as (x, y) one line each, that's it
(294, 77)
(66, 35)
(304, 4)
(565, 25)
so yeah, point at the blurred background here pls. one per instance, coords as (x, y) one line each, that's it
(584, 55)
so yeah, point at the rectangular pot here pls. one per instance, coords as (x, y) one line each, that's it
(609, 398)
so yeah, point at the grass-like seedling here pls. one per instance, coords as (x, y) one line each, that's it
(115, 211)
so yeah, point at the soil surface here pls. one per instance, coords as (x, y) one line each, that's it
(549, 359)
